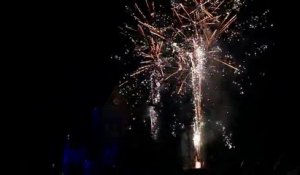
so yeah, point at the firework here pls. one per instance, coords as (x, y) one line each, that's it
(179, 48)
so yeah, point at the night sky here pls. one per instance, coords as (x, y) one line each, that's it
(61, 69)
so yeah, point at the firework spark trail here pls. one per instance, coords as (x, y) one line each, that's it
(197, 75)
(153, 121)
(177, 47)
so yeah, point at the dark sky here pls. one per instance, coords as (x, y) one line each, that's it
(60, 69)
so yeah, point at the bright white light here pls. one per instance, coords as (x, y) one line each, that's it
(197, 165)
(197, 139)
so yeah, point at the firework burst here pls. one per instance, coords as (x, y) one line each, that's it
(180, 47)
